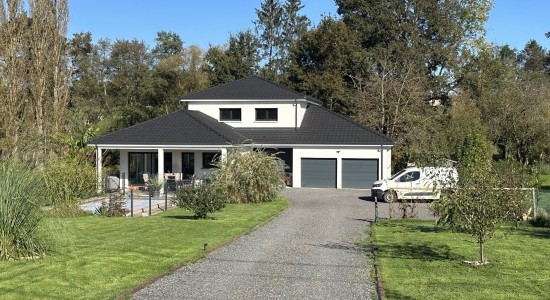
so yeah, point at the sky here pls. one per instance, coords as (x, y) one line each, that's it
(210, 22)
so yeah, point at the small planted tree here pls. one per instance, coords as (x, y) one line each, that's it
(481, 200)
(21, 201)
(248, 176)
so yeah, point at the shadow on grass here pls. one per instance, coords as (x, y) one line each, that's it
(403, 226)
(186, 218)
(391, 294)
(423, 251)
(535, 232)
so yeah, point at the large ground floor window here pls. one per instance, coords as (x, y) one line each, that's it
(140, 163)
(188, 164)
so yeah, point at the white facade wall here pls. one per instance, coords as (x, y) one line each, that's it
(382, 154)
(289, 113)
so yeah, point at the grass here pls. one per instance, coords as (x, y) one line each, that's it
(98, 257)
(545, 181)
(421, 261)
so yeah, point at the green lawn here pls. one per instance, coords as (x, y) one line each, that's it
(545, 181)
(420, 261)
(99, 258)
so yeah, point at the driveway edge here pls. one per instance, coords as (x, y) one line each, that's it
(128, 294)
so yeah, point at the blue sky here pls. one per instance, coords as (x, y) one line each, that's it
(205, 22)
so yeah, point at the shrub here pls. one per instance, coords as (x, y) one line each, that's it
(67, 183)
(200, 199)
(20, 212)
(544, 169)
(542, 220)
(116, 209)
(248, 177)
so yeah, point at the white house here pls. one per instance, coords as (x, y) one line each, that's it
(321, 148)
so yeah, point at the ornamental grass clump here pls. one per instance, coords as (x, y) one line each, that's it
(248, 176)
(67, 183)
(20, 212)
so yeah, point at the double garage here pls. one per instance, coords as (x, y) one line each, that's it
(323, 172)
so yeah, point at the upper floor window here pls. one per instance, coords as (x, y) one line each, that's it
(230, 114)
(266, 114)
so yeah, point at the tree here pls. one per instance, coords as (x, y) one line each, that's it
(322, 62)
(513, 103)
(239, 59)
(168, 44)
(481, 200)
(34, 90)
(534, 57)
(130, 73)
(269, 29)
(392, 65)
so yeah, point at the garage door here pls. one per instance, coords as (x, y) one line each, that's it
(319, 172)
(359, 173)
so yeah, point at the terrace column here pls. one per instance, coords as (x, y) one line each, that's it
(99, 164)
(160, 164)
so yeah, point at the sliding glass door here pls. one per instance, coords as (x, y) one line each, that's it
(140, 163)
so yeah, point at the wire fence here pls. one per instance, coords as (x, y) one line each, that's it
(542, 202)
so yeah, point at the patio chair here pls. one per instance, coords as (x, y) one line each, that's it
(146, 179)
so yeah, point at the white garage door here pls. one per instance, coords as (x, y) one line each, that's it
(359, 173)
(319, 172)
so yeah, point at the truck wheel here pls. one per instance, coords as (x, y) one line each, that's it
(389, 196)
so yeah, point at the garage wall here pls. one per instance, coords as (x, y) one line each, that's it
(340, 153)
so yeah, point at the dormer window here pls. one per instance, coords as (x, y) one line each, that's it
(230, 114)
(266, 114)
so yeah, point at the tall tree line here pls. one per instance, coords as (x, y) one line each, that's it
(419, 71)
(34, 86)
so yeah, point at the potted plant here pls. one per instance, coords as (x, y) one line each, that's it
(155, 184)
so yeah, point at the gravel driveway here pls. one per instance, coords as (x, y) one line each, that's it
(311, 251)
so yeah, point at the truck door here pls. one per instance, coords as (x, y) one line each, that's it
(408, 185)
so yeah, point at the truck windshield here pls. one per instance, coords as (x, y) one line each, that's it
(397, 174)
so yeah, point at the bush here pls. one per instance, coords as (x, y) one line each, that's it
(200, 199)
(544, 169)
(248, 177)
(542, 220)
(20, 212)
(116, 209)
(67, 183)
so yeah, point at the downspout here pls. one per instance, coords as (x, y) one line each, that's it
(295, 114)
(382, 162)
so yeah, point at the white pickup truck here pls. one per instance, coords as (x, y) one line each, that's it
(415, 183)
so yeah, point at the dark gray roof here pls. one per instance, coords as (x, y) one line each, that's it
(184, 127)
(250, 88)
(320, 126)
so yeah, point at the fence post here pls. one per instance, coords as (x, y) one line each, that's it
(150, 195)
(165, 196)
(534, 203)
(375, 209)
(123, 178)
(131, 201)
